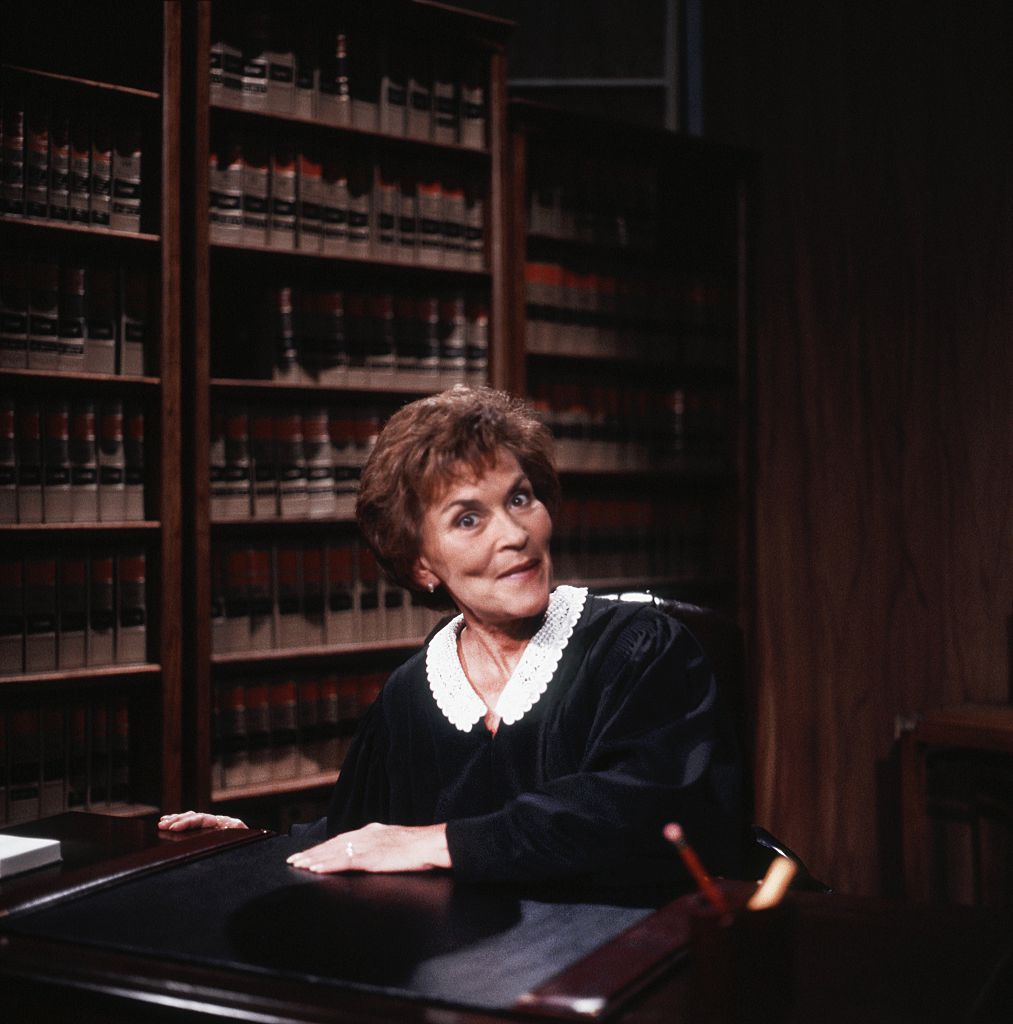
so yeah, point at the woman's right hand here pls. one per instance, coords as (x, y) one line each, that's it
(197, 819)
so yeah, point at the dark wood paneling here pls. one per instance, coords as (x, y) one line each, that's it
(884, 492)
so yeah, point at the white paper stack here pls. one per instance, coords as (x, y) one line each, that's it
(22, 853)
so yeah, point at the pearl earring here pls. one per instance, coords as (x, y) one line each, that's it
(431, 587)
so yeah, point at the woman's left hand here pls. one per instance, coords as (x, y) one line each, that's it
(379, 848)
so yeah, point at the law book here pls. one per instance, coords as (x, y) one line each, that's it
(101, 610)
(111, 463)
(135, 320)
(56, 497)
(329, 724)
(265, 464)
(73, 610)
(71, 323)
(289, 596)
(99, 762)
(13, 313)
(430, 221)
(12, 615)
(393, 87)
(428, 333)
(334, 206)
(319, 469)
(29, 462)
(19, 854)
(310, 209)
(256, 189)
(133, 457)
(225, 186)
(100, 343)
(235, 589)
(334, 98)
(253, 80)
(419, 110)
(474, 108)
(120, 752)
(101, 192)
(346, 466)
(59, 164)
(284, 729)
(364, 80)
(43, 315)
(453, 339)
(360, 190)
(476, 364)
(24, 786)
(381, 357)
(313, 595)
(261, 597)
(258, 731)
(341, 613)
(395, 610)
(53, 795)
(125, 212)
(132, 631)
(235, 493)
(325, 352)
(293, 499)
(84, 474)
(37, 159)
(12, 194)
(371, 617)
(386, 191)
(8, 460)
(356, 338)
(284, 198)
(79, 198)
(308, 720)
(407, 216)
(280, 67)
(446, 101)
(40, 612)
(77, 756)
(235, 752)
(306, 87)
(406, 354)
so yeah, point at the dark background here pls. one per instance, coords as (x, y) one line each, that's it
(882, 287)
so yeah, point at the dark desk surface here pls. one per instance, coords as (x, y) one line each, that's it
(137, 925)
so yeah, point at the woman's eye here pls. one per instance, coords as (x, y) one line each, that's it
(468, 520)
(520, 498)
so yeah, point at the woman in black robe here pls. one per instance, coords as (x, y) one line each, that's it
(541, 733)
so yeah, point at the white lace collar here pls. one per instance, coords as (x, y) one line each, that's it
(462, 706)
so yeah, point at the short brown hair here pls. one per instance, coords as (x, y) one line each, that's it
(420, 451)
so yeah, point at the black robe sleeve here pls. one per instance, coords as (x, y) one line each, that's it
(648, 757)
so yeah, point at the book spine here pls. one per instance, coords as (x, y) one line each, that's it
(40, 613)
(99, 762)
(8, 461)
(313, 603)
(71, 325)
(284, 199)
(387, 192)
(284, 729)
(420, 96)
(73, 600)
(131, 636)
(308, 720)
(394, 89)
(280, 71)
(120, 752)
(333, 104)
(360, 235)
(225, 182)
(380, 352)
(292, 483)
(79, 198)
(364, 81)
(319, 469)
(13, 313)
(135, 324)
(473, 254)
(77, 757)
(37, 160)
(100, 342)
(235, 752)
(29, 448)
(258, 731)
(256, 186)
(310, 189)
(84, 478)
(334, 207)
(102, 611)
(265, 465)
(407, 222)
(12, 195)
(453, 340)
(236, 481)
(476, 365)
(101, 169)
(59, 164)
(371, 618)
(12, 615)
(235, 633)
(261, 598)
(53, 797)
(430, 218)
(125, 214)
(26, 765)
(56, 498)
(133, 455)
(341, 614)
(474, 110)
(43, 315)
(289, 596)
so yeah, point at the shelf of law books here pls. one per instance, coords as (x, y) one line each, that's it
(88, 311)
(350, 178)
(627, 303)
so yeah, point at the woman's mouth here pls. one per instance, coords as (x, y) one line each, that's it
(521, 570)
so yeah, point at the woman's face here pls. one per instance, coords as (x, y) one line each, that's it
(486, 539)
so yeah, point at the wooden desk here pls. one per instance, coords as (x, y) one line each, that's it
(64, 956)
(976, 727)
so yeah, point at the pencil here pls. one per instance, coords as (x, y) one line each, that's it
(674, 834)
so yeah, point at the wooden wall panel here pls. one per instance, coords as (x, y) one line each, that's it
(884, 299)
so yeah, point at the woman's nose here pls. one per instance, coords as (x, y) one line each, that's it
(511, 532)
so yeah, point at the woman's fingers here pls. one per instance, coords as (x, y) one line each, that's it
(378, 848)
(185, 820)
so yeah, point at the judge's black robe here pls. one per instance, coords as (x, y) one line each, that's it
(627, 736)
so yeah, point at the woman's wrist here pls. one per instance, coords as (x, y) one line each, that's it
(436, 852)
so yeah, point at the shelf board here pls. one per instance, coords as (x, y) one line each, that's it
(224, 110)
(46, 529)
(378, 385)
(123, 810)
(291, 654)
(279, 523)
(96, 674)
(86, 83)
(275, 787)
(101, 381)
(371, 262)
(58, 229)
